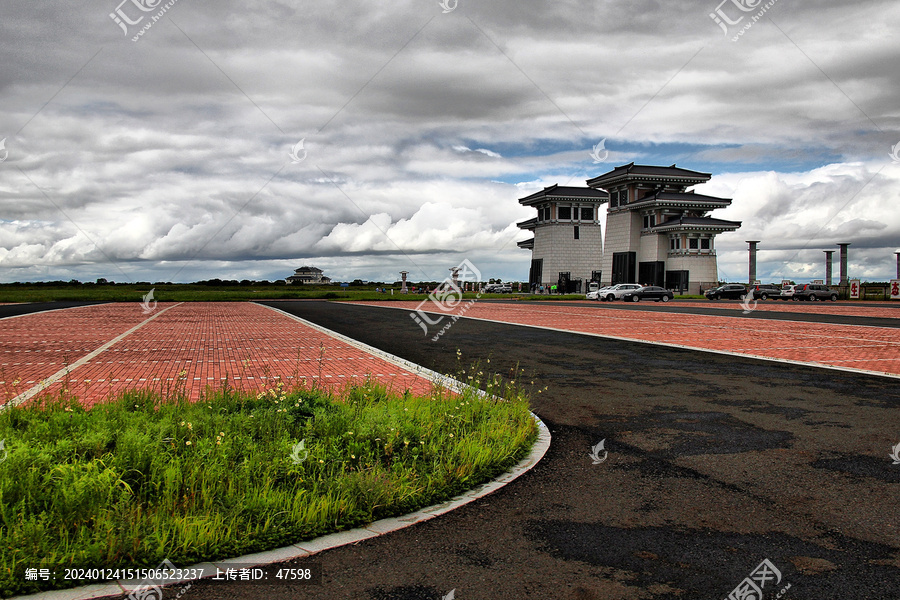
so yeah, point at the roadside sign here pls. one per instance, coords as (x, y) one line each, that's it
(854, 289)
(895, 289)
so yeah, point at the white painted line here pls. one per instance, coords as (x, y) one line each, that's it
(44, 384)
(352, 536)
(670, 345)
(435, 377)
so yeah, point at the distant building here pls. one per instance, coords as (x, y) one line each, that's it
(657, 232)
(308, 275)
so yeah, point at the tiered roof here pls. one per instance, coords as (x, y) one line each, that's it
(561, 192)
(634, 173)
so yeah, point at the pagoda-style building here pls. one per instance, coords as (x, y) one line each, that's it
(308, 275)
(568, 243)
(657, 231)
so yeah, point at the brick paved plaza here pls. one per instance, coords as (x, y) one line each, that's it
(200, 344)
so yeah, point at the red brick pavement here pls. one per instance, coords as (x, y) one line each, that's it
(874, 349)
(197, 345)
(35, 346)
(885, 310)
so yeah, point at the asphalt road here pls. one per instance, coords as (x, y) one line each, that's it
(714, 464)
(27, 308)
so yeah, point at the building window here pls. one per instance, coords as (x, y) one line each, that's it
(649, 221)
(576, 232)
(693, 243)
(614, 200)
(587, 213)
(675, 243)
(565, 213)
(704, 244)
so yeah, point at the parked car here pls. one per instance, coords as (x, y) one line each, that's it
(813, 292)
(649, 292)
(497, 288)
(787, 292)
(732, 291)
(592, 295)
(764, 291)
(615, 292)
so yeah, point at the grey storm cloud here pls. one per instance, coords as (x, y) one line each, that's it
(169, 156)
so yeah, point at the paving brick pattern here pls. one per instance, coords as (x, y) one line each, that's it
(194, 345)
(885, 310)
(874, 349)
(35, 346)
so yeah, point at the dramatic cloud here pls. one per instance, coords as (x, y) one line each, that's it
(168, 158)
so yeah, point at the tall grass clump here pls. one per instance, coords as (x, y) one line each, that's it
(150, 476)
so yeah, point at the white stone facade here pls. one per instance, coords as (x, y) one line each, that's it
(703, 270)
(661, 232)
(555, 243)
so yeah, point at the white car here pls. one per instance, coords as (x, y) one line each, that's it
(615, 292)
(787, 292)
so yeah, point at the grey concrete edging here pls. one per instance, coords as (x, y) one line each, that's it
(341, 538)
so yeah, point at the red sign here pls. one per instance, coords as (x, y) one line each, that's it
(895, 289)
(854, 289)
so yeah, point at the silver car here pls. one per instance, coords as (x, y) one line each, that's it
(615, 292)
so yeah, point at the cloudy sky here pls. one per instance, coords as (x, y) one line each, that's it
(162, 150)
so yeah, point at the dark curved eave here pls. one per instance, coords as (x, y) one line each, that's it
(526, 244)
(530, 224)
(687, 203)
(558, 193)
(697, 224)
(633, 172)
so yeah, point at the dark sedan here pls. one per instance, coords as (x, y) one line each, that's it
(649, 292)
(732, 290)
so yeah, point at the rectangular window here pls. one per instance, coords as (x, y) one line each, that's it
(693, 243)
(614, 200)
(576, 232)
(587, 213)
(565, 213)
(704, 244)
(675, 243)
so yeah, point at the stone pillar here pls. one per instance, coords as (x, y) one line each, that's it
(403, 288)
(753, 244)
(844, 279)
(898, 264)
(829, 259)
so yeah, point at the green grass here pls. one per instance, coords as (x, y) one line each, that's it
(200, 293)
(144, 478)
(188, 292)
